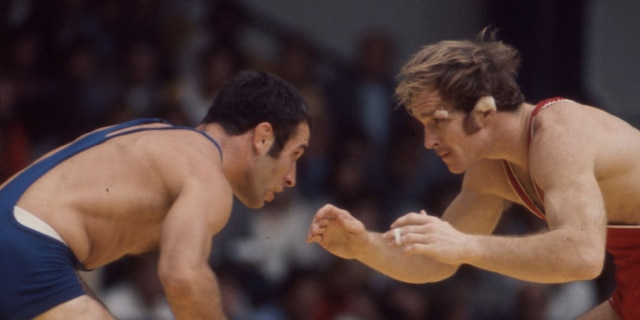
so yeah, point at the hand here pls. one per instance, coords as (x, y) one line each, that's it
(430, 236)
(337, 231)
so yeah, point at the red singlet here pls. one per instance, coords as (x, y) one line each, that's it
(623, 242)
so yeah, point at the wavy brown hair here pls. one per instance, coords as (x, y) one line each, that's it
(463, 71)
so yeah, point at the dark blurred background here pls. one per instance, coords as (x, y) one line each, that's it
(68, 66)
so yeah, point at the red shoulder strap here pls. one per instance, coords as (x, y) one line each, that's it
(513, 180)
(519, 189)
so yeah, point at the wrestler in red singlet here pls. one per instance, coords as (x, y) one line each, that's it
(623, 242)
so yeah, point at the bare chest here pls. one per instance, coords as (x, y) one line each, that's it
(520, 188)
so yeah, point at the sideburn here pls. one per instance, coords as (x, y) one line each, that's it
(470, 125)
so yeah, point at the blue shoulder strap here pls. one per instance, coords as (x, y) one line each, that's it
(24, 179)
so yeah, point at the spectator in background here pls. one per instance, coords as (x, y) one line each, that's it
(82, 89)
(296, 62)
(222, 25)
(143, 86)
(362, 98)
(348, 179)
(407, 302)
(302, 295)
(272, 247)
(145, 19)
(22, 64)
(14, 142)
(139, 294)
(217, 65)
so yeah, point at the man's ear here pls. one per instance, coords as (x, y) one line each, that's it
(263, 137)
(482, 113)
(485, 104)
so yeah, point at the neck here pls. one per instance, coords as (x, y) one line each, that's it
(233, 149)
(511, 136)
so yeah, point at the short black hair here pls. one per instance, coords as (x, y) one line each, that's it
(252, 97)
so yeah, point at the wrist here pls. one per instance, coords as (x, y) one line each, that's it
(471, 250)
(363, 248)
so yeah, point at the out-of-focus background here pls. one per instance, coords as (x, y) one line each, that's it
(68, 66)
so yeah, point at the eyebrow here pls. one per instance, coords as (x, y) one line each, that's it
(422, 113)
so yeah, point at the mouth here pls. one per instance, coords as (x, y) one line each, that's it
(442, 154)
(271, 195)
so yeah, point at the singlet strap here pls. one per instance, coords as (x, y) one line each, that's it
(22, 181)
(539, 107)
(517, 186)
(172, 127)
(206, 135)
(128, 124)
(515, 183)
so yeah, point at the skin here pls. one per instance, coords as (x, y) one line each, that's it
(160, 190)
(584, 160)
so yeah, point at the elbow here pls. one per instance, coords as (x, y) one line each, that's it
(582, 256)
(593, 269)
(177, 280)
(589, 265)
(174, 282)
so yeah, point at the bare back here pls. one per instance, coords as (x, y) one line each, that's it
(617, 170)
(111, 200)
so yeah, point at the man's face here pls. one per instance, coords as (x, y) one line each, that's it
(269, 175)
(444, 131)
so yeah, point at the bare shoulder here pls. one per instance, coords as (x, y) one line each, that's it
(181, 156)
(569, 119)
(188, 167)
(570, 138)
(579, 128)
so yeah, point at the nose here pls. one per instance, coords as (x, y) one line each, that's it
(431, 140)
(290, 177)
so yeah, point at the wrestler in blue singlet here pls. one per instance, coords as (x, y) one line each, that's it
(38, 272)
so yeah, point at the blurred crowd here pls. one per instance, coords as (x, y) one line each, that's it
(68, 66)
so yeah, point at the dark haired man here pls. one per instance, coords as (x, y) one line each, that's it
(141, 186)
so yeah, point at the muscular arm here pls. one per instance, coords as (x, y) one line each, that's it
(197, 215)
(381, 256)
(343, 235)
(573, 248)
(338, 232)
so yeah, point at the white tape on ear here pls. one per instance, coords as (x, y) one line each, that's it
(485, 104)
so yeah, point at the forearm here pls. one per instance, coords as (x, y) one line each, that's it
(196, 296)
(389, 261)
(551, 257)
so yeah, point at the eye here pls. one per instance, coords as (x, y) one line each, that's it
(439, 116)
(296, 155)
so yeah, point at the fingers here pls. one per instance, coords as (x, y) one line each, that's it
(314, 238)
(412, 218)
(403, 228)
(316, 230)
(396, 236)
(329, 211)
(325, 216)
